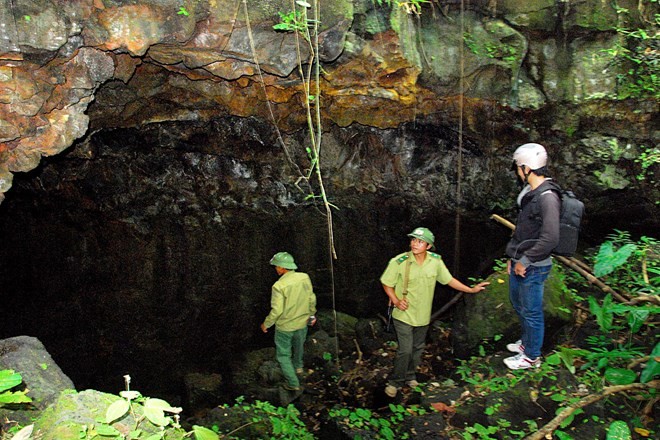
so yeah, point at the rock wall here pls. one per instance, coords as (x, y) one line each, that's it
(155, 150)
(146, 62)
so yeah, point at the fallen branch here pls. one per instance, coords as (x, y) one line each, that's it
(551, 426)
(642, 297)
(435, 315)
(359, 352)
(574, 264)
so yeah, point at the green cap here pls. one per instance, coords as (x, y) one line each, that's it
(423, 234)
(283, 259)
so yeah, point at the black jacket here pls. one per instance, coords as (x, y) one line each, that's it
(537, 227)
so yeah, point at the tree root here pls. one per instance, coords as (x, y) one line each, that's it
(547, 430)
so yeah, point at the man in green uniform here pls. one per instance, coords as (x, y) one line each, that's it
(293, 305)
(409, 282)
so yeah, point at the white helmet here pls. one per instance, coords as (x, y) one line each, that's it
(532, 155)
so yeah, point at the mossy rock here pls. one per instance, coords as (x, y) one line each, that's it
(484, 315)
(74, 413)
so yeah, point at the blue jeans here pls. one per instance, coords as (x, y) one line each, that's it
(289, 349)
(526, 295)
(411, 341)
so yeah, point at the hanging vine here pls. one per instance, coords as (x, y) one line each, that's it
(305, 29)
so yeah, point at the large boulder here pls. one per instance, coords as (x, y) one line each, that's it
(490, 313)
(43, 379)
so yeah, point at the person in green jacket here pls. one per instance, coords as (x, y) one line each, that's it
(409, 282)
(293, 305)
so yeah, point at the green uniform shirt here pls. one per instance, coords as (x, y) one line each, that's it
(421, 285)
(292, 302)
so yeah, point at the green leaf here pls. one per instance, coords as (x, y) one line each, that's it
(636, 319)
(156, 416)
(608, 260)
(620, 376)
(107, 430)
(202, 433)
(604, 315)
(652, 368)
(117, 410)
(14, 397)
(618, 430)
(162, 405)
(561, 435)
(9, 379)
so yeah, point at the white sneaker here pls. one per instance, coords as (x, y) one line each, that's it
(516, 347)
(391, 391)
(412, 383)
(522, 362)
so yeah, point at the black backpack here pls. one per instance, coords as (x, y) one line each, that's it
(570, 217)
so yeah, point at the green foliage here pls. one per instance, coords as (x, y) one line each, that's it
(362, 419)
(652, 368)
(648, 158)
(500, 51)
(637, 51)
(618, 430)
(411, 7)
(620, 376)
(8, 380)
(479, 431)
(183, 11)
(291, 22)
(202, 433)
(483, 377)
(627, 263)
(609, 259)
(153, 412)
(277, 422)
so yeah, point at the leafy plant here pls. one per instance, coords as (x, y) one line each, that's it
(637, 52)
(609, 259)
(618, 430)
(8, 380)
(648, 158)
(263, 420)
(652, 368)
(383, 427)
(631, 266)
(153, 411)
(411, 6)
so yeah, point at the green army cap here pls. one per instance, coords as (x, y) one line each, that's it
(423, 234)
(283, 259)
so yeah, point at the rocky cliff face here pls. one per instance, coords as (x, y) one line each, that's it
(71, 67)
(156, 153)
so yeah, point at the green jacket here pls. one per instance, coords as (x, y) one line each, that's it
(421, 285)
(292, 302)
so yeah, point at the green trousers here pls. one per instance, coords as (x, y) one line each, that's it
(412, 341)
(289, 349)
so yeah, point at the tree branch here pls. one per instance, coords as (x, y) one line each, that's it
(553, 424)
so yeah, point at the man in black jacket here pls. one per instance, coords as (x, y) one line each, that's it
(536, 234)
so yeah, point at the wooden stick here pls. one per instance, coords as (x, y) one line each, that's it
(578, 267)
(446, 306)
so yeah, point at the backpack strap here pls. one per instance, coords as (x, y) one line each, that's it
(406, 273)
